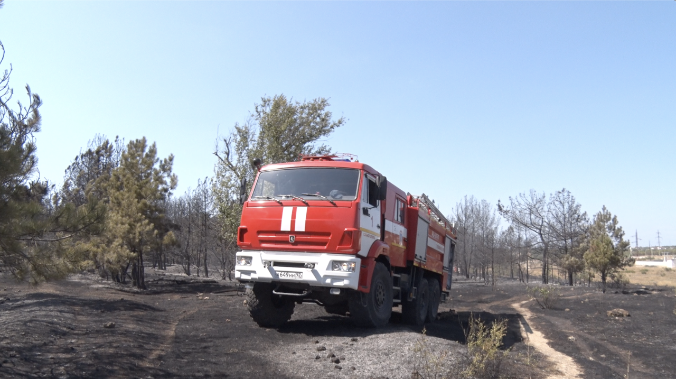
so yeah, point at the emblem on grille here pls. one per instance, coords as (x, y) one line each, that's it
(292, 239)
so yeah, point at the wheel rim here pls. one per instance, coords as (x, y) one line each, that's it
(380, 295)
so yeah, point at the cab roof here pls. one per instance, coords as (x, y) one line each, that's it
(320, 163)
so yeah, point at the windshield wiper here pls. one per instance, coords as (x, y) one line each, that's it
(268, 198)
(294, 197)
(322, 196)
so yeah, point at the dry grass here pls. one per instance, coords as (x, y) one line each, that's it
(651, 276)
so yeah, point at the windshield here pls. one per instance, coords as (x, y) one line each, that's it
(308, 183)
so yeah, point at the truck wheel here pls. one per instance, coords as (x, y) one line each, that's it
(373, 309)
(268, 310)
(415, 311)
(435, 299)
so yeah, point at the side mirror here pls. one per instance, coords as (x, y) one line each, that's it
(242, 191)
(382, 188)
(256, 164)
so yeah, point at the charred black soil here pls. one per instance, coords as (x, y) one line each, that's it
(186, 327)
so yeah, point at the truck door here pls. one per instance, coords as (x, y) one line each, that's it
(421, 239)
(369, 219)
(448, 254)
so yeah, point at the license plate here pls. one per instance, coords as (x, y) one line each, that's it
(289, 275)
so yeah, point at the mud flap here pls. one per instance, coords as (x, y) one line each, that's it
(365, 275)
(368, 263)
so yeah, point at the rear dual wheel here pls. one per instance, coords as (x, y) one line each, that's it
(415, 311)
(435, 299)
(425, 306)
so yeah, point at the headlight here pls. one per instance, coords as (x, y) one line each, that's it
(244, 261)
(343, 266)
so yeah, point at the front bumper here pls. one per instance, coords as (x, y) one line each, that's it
(285, 268)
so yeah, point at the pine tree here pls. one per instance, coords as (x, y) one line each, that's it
(137, 190)
(90, 171)
(607, 247)
(35, 232)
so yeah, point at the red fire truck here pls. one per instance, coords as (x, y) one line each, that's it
(333, 231)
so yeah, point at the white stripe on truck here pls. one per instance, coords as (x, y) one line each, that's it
(286, 219)
(301, 213)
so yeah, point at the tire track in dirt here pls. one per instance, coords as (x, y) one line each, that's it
(563, 363)
(169, 336)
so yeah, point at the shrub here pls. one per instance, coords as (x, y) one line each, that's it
(667, 269)
(644, 271)
(482, 360)
(483, 348)
(547, 296)
(618, 280)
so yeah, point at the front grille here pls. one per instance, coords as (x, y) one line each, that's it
(302, 240)
(288, 264)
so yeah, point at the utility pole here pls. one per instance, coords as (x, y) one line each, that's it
(659, 245)
(636, 236)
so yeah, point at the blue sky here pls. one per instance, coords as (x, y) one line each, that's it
(489, 99)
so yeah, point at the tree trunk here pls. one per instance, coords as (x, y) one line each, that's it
(527, 273)
(493, 268)
(198, 261)
(123, 273)
(141, 275)
(544, 270)
(206, 267)
(134, 274)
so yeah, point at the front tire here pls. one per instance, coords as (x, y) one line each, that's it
(415, 312)
(373, 309)
(267, 309)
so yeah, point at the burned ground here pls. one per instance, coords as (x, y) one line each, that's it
(185, 328)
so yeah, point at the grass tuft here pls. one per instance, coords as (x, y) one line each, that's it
(429, 364)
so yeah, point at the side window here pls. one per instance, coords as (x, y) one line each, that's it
(400, 211)
(373, 193)
(369, 193)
